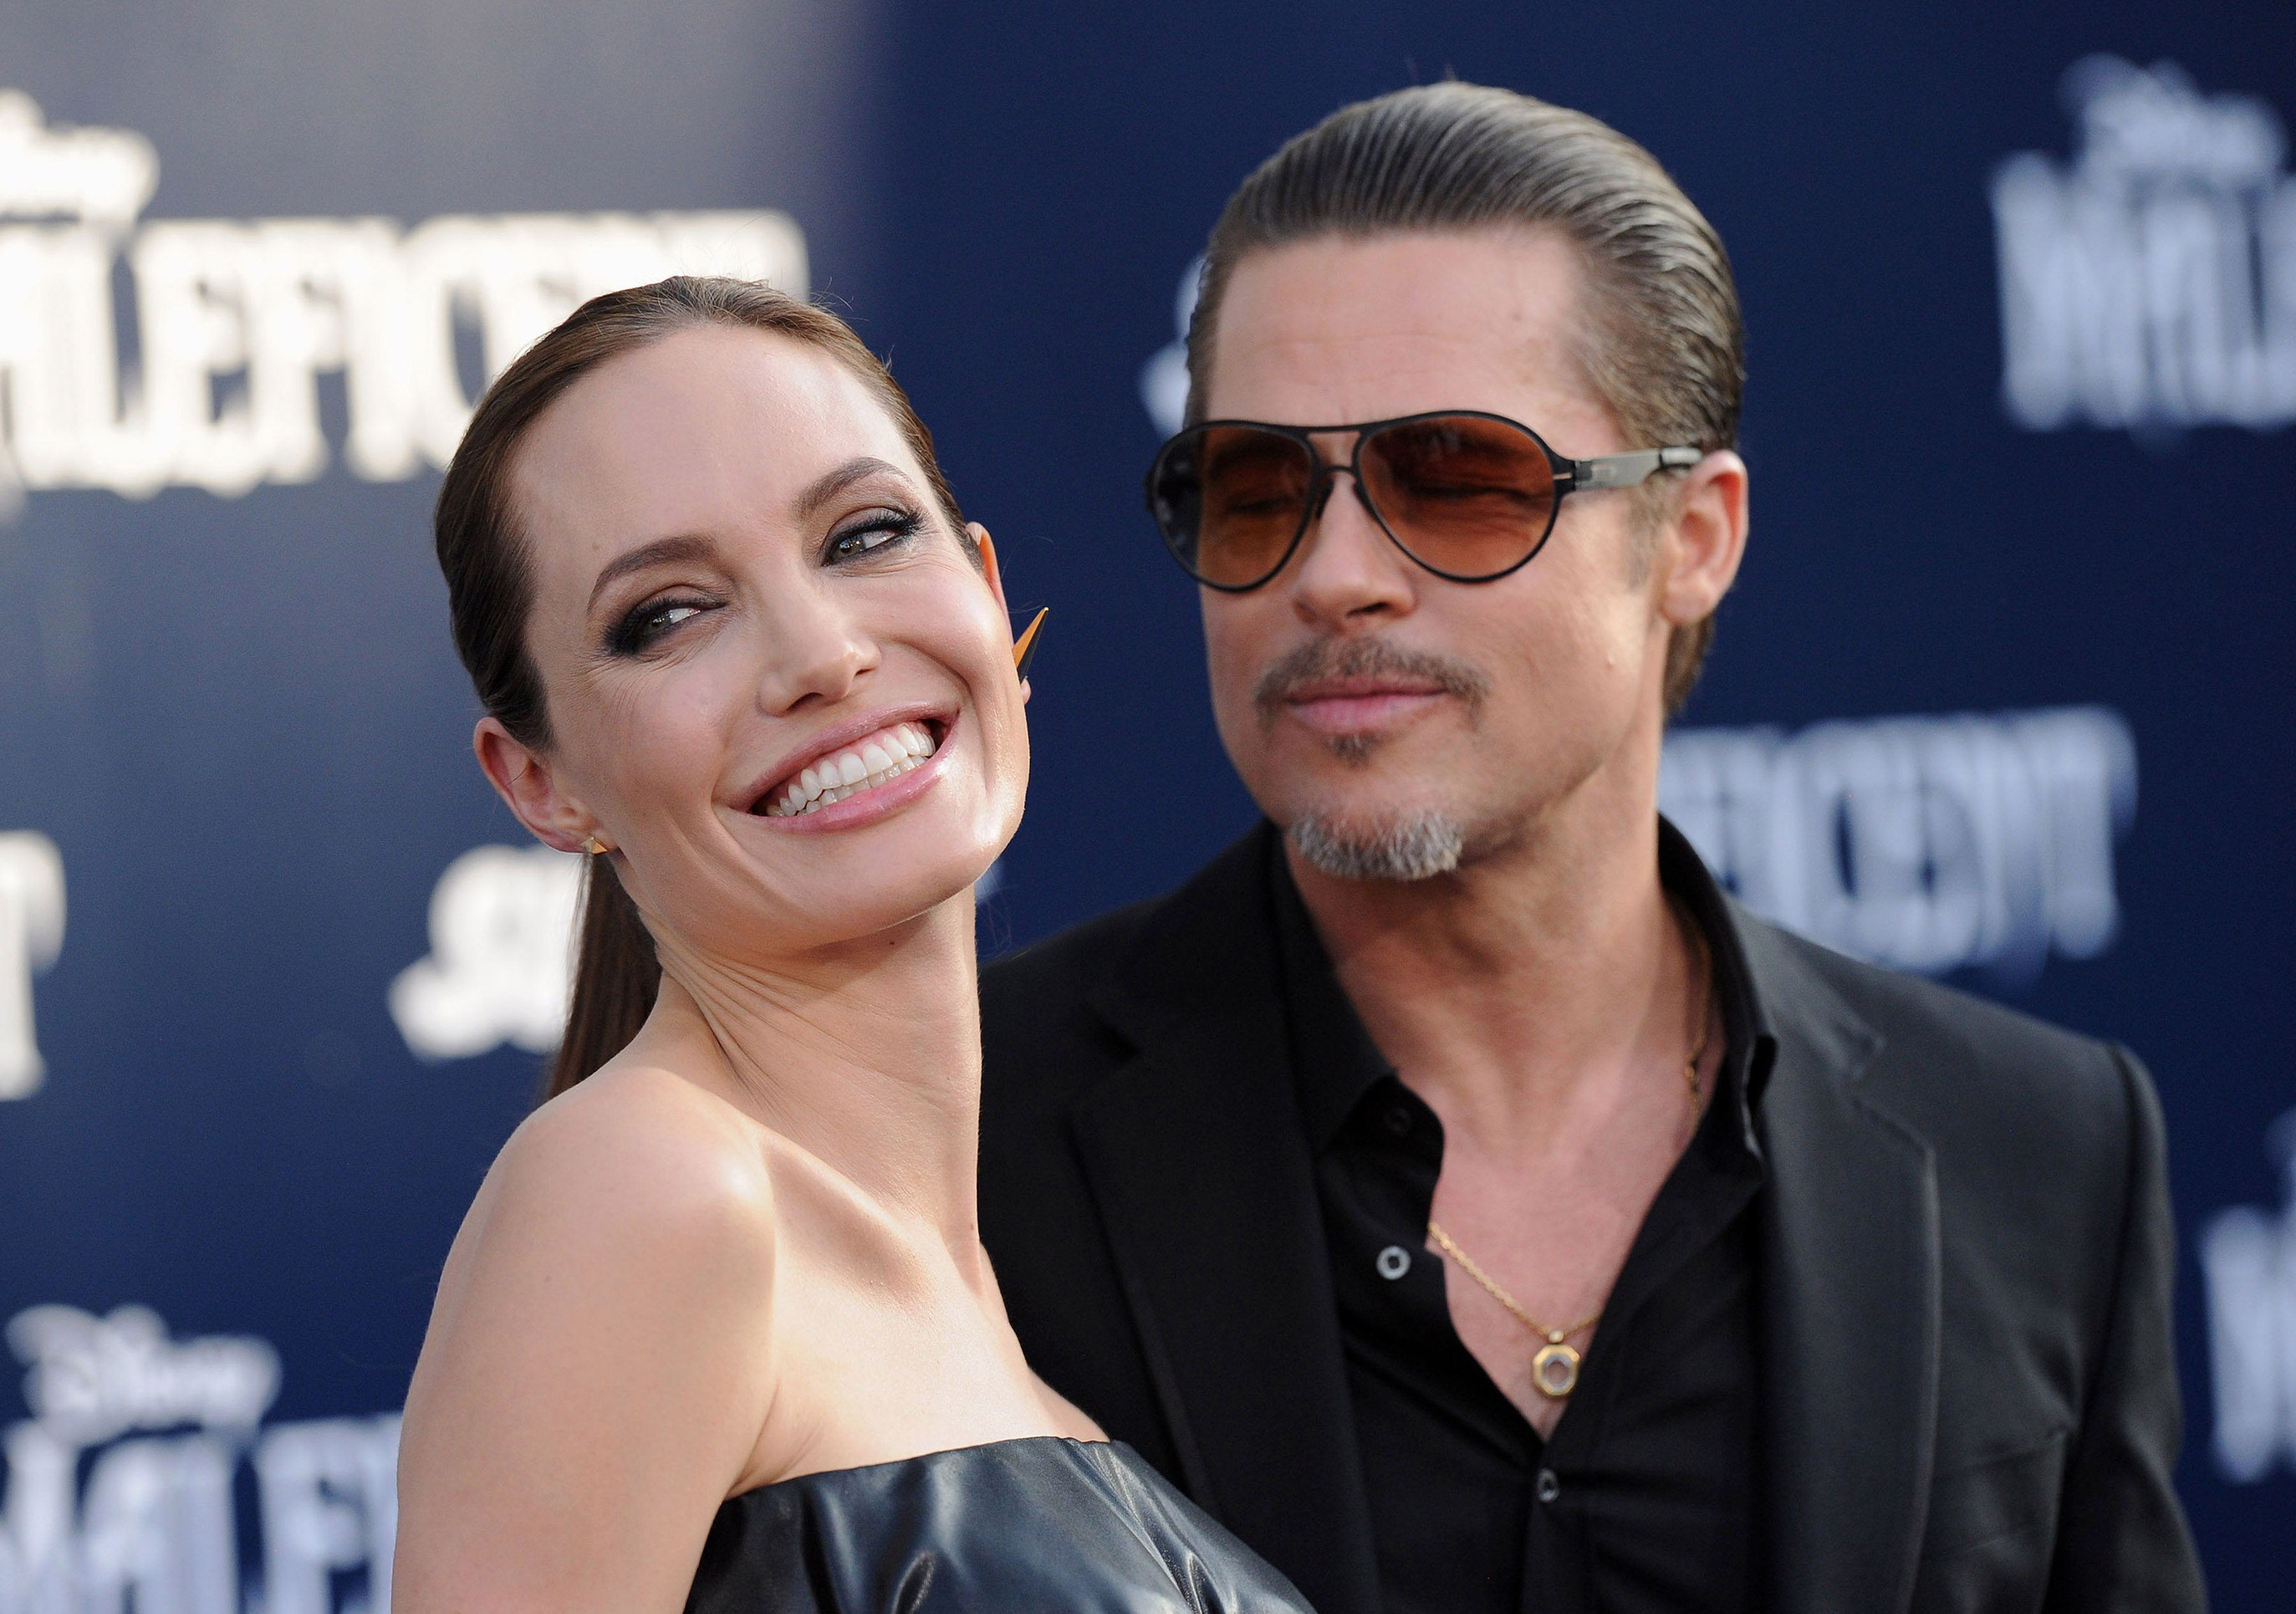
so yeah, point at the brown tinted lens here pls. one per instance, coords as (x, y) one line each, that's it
(1468, 497)
(1255, 487)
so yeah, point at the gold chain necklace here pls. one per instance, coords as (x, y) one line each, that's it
(1554, 1369)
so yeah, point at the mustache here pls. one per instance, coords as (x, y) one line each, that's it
(1320, 659)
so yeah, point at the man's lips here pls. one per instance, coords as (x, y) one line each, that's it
(1352, 706)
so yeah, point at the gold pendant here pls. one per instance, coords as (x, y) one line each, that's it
(1555, 1369)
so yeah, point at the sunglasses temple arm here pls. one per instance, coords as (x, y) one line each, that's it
(1630, 469)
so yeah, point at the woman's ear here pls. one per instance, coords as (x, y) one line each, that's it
(1708, 538)
(996, 576)
(988, 568)
(523, 778)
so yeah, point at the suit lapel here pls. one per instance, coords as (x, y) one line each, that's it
(1199, 1166)
(1852, 1287)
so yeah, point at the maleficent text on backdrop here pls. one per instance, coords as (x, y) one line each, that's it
(233, 322)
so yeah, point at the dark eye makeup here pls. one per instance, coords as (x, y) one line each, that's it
(647, 624)
(644, 624)
(871, 535)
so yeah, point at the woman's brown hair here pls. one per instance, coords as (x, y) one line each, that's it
(482, 550)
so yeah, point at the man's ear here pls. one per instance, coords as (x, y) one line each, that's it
(523, 778)
(1708, 538)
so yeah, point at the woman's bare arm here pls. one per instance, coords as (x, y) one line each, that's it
(597, 1372)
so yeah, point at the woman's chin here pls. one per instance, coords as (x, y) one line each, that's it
(853, 918)
(886, 891)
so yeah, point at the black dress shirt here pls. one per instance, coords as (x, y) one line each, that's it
(1961, 1252)
(1645, 1498)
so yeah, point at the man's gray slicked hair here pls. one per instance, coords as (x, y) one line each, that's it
(1666, 344)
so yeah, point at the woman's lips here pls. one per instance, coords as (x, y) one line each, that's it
(868, 764)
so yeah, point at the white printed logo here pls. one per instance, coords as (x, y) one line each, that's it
(152, 1526)
(1920, 843)
(500, 964)
(2151, 282)
(32, 935)
(2248, 1258)
(1164, 378)
(235, 320)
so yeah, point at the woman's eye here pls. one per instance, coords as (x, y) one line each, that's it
(854, 542)
(649, 623)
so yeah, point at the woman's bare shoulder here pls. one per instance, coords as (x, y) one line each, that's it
(633, 1205)
(656, 1143)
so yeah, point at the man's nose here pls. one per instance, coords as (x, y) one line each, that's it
(1348, 566)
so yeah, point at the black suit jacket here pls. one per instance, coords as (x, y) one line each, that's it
(1968, 1398)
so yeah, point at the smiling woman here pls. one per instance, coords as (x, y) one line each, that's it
(489, 584)
(718, 1332)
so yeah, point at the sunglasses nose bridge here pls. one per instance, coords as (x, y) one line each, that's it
(1346, 457)
(1327, 476)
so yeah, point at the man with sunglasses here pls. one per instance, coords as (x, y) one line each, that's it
(1450, 1186)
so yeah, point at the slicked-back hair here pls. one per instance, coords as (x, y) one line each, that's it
(1663, 342)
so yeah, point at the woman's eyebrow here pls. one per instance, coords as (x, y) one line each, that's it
(693, 547)
(661, 552)
(827, 487)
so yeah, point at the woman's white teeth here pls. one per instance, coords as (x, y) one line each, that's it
(884, 756)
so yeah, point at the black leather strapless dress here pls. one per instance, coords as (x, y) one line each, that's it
(1044, 1526)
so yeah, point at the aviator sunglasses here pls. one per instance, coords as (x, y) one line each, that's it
(1470, 497)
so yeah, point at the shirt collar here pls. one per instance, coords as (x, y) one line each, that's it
(1336, 1062)
(1749, 1046)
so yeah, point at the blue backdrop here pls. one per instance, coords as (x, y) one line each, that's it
(2003, 692)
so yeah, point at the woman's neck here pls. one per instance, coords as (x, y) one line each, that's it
(866, 1055)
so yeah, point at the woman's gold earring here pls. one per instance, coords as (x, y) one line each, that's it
(595, 846)
(1024, 649)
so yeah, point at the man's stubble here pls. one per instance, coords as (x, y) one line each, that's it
(1400, 846)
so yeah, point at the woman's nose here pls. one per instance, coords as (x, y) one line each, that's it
(814, 654)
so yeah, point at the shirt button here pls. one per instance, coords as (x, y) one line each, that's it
(1397, 1122)
(1393, 1262)
(1549, 1486)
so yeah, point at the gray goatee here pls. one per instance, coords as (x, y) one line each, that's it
(1417, 846)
